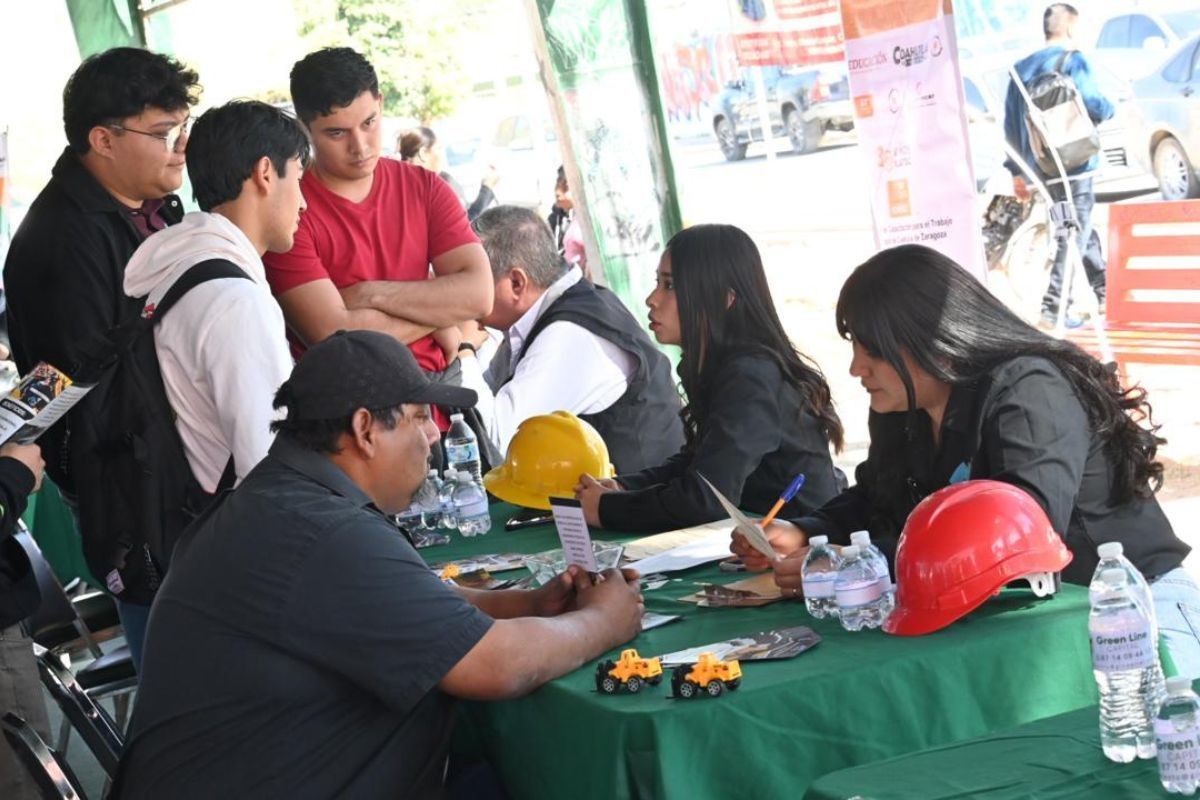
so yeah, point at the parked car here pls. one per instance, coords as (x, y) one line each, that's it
(802, 102)
(1132, 44)
(1169, 101)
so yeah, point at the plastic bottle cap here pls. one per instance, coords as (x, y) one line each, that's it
(456, 417)
(860, 538)
(849, 552)
(817, 541)
(1178, 683)
(1113, 577)
(1111, 550)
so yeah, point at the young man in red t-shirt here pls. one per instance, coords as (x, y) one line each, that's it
(374, 227)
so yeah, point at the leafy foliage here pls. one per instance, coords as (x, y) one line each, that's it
(411, 43)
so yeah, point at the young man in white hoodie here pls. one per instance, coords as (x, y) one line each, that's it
(222, 349)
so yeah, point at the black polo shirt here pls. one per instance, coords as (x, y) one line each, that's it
(295, 649)
(1021, 424)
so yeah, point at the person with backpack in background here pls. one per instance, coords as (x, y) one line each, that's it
(1059, 58)
(223, 351)
(126, 113)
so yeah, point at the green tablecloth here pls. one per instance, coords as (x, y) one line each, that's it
(855, 699)
(1051, 759)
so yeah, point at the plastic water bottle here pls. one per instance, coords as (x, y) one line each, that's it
(428, 501)
(859, 597)
(1112, 556)
(862, 539)
(462, 449)
(449, 520)
(410, 519)
(1123, 656)
(817, 576)
(1177, 736)
(471, 507)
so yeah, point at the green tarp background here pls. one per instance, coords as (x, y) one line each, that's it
(601, 56)
(101, 24)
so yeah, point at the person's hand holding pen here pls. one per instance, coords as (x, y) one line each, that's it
(784, 537)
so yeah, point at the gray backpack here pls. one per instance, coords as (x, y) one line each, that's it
(1058, 121)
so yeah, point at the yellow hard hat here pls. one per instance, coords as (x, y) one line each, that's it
(545, 458)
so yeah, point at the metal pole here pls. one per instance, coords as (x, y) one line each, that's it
(764, 113)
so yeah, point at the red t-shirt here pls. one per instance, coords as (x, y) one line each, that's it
(410, 217)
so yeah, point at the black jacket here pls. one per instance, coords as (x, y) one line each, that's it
(642, 428)
(756, 438)
(1021, 424)
(19, 596)
(64, 277)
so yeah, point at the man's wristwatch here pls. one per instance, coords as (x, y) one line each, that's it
(467, 346)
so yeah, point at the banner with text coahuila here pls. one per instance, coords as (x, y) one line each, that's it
(902, 58)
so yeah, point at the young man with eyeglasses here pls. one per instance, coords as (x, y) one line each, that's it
(125, 113)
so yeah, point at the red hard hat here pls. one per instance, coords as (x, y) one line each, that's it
(961, 545)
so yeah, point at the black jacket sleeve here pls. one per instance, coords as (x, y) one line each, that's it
(16, 484)
(673, 467)
(1036, 435)
(841, 516)
(743, 425)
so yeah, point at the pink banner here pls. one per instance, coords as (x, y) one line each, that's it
(902, 59)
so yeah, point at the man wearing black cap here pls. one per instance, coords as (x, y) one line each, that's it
(300, 646)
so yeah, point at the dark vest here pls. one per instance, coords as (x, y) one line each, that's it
(642, 428)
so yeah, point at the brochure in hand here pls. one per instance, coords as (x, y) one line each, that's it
(39, 399)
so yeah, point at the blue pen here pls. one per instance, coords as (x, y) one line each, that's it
(796, 485)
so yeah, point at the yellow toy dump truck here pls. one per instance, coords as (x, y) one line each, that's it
(708, 674)
(631, 671)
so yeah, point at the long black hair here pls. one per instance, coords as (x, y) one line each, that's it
(912, 299)
(710, 264)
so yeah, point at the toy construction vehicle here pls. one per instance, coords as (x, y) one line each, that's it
(631, 671)
(708, 674)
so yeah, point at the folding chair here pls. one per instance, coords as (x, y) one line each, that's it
(52, 775)
(63, 623)
(108, 675)
(81, 712)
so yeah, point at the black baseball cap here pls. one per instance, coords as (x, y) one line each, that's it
(361, 369)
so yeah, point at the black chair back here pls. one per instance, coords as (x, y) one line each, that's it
(55, 610)
(52, 776)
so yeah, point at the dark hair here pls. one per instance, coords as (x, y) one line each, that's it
(707, 263)
(228, 141)
(560, 180)
(1057, 18)
(912, 299)
(330, 78)
(121, 83)
(415, 140)
(514, 236)
(322, 435)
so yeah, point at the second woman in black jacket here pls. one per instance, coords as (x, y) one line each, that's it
(757, 414)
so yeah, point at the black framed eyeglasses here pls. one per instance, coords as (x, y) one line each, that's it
(170, 138)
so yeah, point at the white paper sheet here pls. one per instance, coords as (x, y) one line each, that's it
(744, 525)
(713, 547)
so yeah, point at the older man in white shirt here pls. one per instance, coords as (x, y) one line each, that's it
(568, 346)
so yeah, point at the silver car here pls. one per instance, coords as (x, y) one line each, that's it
(1169, 101)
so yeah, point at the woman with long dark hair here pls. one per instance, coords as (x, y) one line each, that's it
(961, 388)
(758, 412)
